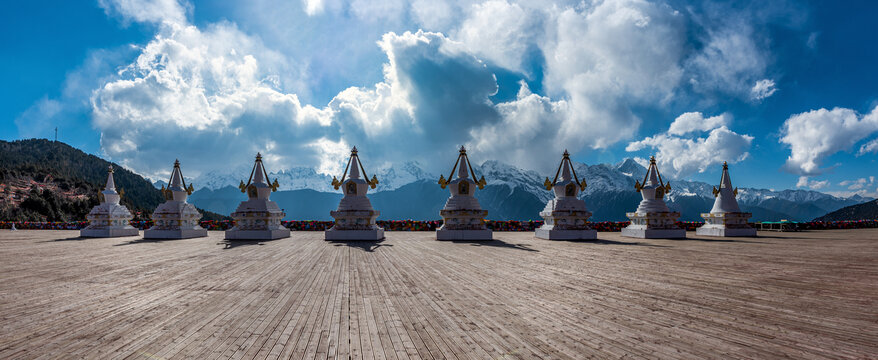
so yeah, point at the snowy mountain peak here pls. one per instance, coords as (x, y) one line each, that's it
(497, 173)
(392, 178)
(630, 167)
(601, 178)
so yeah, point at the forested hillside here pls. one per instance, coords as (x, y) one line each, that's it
(864, 211)
(42, 180)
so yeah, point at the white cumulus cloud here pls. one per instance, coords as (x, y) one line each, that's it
(205, 96)
(152, 11)
(869, 147)
(811, 184)
(696, 122)
(817, 134)
(732, 57)
(218, 94)
(686, 155)
(499, 32)
(858, 184)
(763, 89)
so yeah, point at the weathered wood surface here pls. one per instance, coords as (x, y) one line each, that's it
(799, 295)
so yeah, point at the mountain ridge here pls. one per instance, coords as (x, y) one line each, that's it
(517, 194)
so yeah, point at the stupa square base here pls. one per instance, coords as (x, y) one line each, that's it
(257, 234)
(654, 233)
(174, 234)
(354, 235)
(107, 233)
(552, 234)
(465, 235)
(725, 232)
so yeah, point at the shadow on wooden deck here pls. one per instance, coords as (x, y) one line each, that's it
(365, 245)
(721, 240)
(496, 243)
(613, 242)
(77, 238)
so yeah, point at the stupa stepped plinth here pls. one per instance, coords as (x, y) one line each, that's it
(463, 217)
(566, 215)
(258, 218)
(726, 218)
(355, 217)
(109, 218)
(653, 219)
(175, 218)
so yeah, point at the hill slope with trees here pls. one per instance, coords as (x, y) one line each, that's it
(864, 211)
(43, 180)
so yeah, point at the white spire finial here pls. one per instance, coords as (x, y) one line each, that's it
(355, 166)
(726, 180)
(652, 175)
(463, 169)
(110, 195)
(259, 171)
(111, 184)
(176, 182)
(565, 167)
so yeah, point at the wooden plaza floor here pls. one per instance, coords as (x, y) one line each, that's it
(795, 295)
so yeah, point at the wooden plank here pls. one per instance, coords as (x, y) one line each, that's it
(798, 295)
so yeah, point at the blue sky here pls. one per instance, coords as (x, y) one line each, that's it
(784, 92)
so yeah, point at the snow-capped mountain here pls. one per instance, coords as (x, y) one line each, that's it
(217, 179)
(159, 184)
(406, 191)
(299, 178)
(499, 174)
(391, 178)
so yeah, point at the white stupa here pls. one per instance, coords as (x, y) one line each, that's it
(463, 217)
(109, 218)
(566, 215)
(175, 218)
(726, 218)
(258, 218)
(653, 219)
(355, 217)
